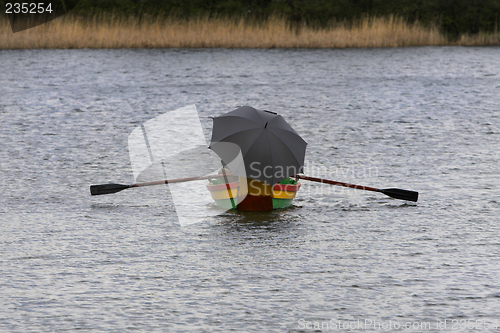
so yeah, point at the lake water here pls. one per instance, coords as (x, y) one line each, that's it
(424, 119)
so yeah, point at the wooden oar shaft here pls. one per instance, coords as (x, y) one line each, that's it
(171, 181)
(114, 188)
(395, 193)
(333, 182)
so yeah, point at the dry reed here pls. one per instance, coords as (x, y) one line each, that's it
(111, 32)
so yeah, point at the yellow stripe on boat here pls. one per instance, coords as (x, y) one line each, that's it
(284, 194)
(221, 192)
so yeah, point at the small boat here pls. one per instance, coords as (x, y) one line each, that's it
(252, 195)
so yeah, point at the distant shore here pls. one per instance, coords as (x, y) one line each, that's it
(73, 32)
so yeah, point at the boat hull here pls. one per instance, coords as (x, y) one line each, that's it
(252, 195)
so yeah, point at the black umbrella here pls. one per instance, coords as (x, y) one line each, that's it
(271, 149)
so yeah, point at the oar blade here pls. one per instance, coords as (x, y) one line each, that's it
(107, 188)
(400, 194)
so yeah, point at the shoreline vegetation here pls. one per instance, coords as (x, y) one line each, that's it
(110, 31)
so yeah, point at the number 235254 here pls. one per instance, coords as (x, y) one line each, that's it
(27, 8)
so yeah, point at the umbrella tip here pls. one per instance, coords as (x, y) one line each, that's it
(269, 112)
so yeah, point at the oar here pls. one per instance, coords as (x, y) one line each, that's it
(113, 188)
(395, 193)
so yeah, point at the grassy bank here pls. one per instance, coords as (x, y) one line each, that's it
(111, 32)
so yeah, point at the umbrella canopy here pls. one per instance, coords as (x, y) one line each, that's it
(270, 147)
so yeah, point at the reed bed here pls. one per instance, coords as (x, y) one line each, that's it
(71, 32)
